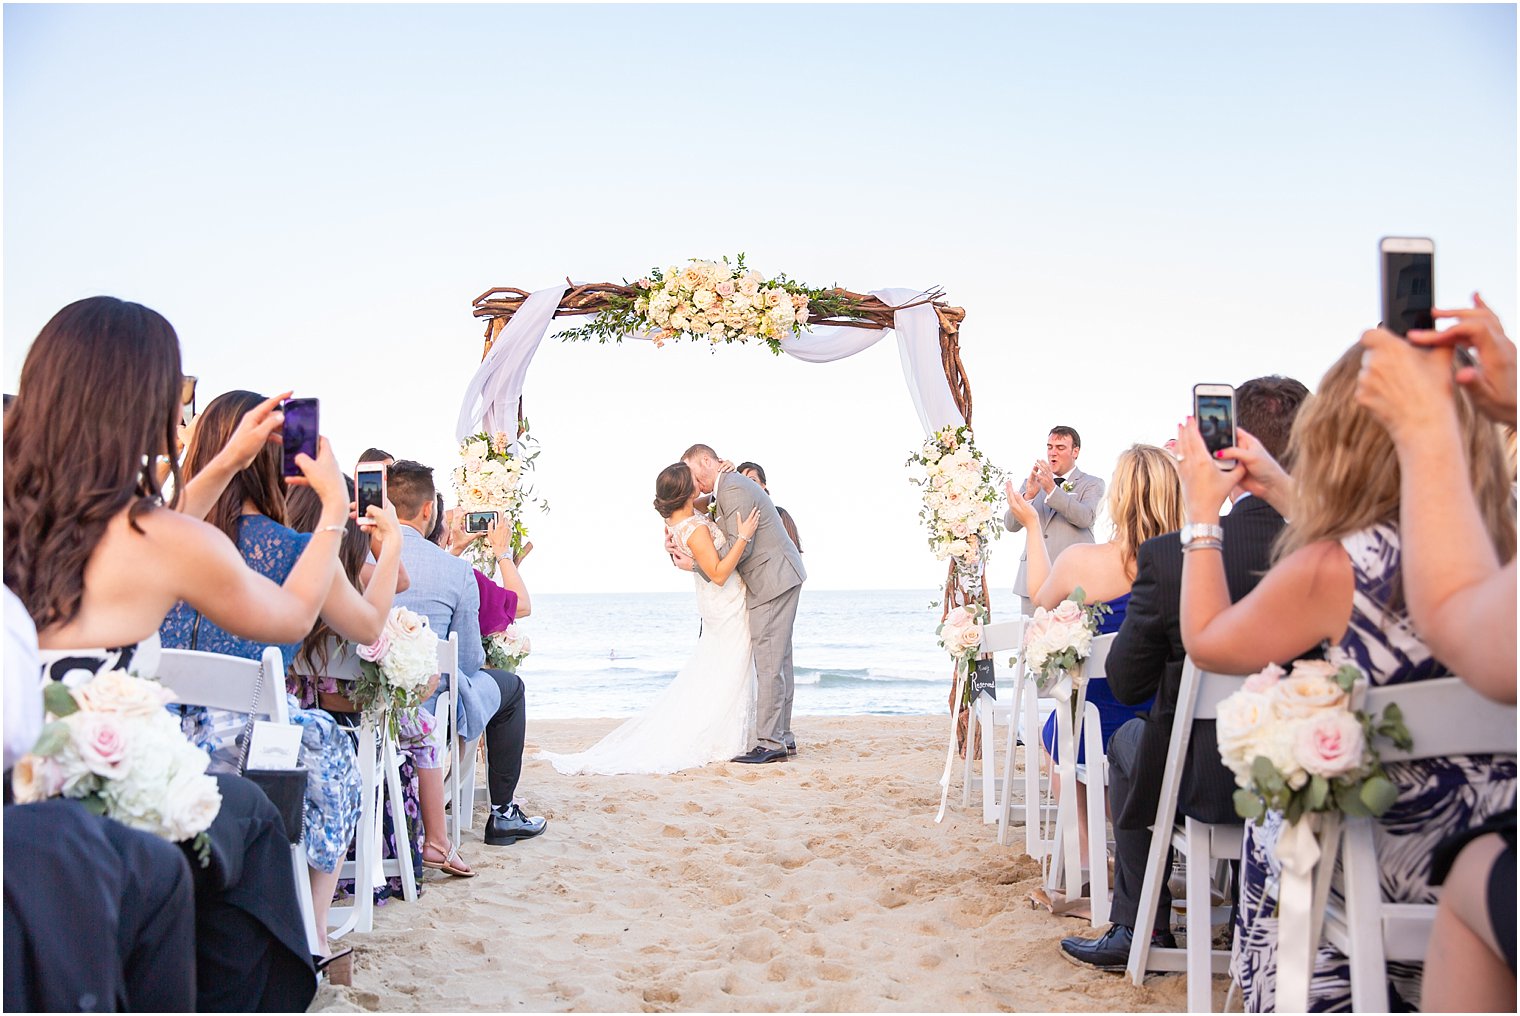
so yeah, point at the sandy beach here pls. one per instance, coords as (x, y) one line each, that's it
(821, 884)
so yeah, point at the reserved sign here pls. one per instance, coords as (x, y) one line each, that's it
(983, 679)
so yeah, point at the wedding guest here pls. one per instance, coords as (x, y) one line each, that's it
(1146, 660)
(250, 511)
(1065, 501)
(1462, 600)
(1337, 579)
(98, 561)
(756, 473)
(491, 702)
(504, 599)
(1145, 500)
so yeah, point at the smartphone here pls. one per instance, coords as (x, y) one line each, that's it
(369, 481)
(187, 383)
(479, 522)
(1409, 284)
(1214, 409)
(299, 432)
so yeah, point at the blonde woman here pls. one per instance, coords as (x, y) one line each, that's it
(1144, 500)
(1338, 582)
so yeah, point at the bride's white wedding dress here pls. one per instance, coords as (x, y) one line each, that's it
(707, 714)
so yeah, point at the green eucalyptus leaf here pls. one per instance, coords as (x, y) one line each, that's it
(1248, 805)
(94, 804)
(1378, 794)
(58, 699)
(52, 739)
(1319, 790)
(1294, 809)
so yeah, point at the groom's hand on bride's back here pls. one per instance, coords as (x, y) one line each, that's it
(677, 558)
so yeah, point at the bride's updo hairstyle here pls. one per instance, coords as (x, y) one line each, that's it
(97, 410)
(673, 489)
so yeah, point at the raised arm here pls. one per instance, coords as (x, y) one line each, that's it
(706, 554)
(500, 538)
(257, 428)
(361, 617)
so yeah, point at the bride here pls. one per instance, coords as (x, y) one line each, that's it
(707, 713)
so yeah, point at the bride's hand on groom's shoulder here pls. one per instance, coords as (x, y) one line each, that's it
(725, 466)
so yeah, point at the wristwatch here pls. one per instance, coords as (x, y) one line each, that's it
(1201, 531)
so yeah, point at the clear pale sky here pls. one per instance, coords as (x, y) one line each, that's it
(1126, 200)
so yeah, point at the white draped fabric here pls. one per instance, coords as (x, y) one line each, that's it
(490, 400)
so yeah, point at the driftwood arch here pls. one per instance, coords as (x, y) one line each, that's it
(498, 304)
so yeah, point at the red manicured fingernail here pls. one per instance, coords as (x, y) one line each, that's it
(1219, 455)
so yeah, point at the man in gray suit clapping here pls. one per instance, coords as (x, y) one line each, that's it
(1066, 498)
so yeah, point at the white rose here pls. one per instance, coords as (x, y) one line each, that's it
(703, 298)
(191, 802)
(1237, 724)
(116, 691)
(1305, 692)
(475, 452)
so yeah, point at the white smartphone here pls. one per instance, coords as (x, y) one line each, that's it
(369, 481)
(1214, 409)
(1409, 282)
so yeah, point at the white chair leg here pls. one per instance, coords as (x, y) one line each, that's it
(469, 752)
(402, 831)
(303, 898)
(1200, 931)
(1097, 818)
(1034, 801)
(1006, 802)
(989, 765)
(1364, 918)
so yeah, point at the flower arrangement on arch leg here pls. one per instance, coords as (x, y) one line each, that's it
(961, 493)
(396, 669)
(112, 746)
(1297, 747)
(490, 478)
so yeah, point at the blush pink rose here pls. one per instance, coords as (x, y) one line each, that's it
(1067, 612)
(1330, 744)
(1262, 682)
(101, 743)
(376, 650)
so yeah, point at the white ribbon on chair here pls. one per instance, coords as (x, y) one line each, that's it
(1298, 850)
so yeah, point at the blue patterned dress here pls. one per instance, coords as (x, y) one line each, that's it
(1437, 798)
(327, 752)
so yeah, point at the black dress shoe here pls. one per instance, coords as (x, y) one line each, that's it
(760, 754)
(509, 824)
(1111, 952)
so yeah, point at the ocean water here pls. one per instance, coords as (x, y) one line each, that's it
(607, 654)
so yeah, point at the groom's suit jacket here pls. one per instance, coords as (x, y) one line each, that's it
(770, 564)
(1066, 517)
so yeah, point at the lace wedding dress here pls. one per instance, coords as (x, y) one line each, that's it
(707, 714)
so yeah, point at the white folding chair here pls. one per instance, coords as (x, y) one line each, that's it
(380, 777)
(229, 682)
(460, 782)
(1065, 872)
(1445, 717)
(1201, 844)
(985, 713)
(1033, 807)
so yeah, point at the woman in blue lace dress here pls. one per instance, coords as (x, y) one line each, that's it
(250, 511)
(1337, 583)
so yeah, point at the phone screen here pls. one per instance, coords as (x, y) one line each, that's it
(371, 488)
(478, 522)
(1216, 421)
(1408, 291)
(299, 432)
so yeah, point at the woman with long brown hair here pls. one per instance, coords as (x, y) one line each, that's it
(250, 511)
(1337, 583)
(99, 558)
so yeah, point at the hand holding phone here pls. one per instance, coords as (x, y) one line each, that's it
(369, 482)
(480, 522)
(1214, 409)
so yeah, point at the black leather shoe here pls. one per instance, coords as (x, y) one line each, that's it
(761, 754)
(1111, 952)
(509, 824)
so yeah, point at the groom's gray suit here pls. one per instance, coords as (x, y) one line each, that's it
(773, 574)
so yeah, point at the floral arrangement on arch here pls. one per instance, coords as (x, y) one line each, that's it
(490, 477)
(396, 669)
(112, 746)
(1296, 746)
(1057, 641)
(961, 496)
(716, 301)
(960, 634)
(505, 650)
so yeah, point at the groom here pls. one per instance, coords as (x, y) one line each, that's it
(773, 573)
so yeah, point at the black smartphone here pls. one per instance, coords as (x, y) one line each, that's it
(369, 481)
(1214, 409)
(1409, 285)
(299, 432)
(479, 522)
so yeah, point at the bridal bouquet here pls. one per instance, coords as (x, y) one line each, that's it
(1296, 746)
(960, 490)
(719, 301)
(1057, 641)
(490, 478)
(960, 633)
(395, 670)
(113, 746)
(505, 650)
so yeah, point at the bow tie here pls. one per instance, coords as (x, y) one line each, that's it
(1060, 480)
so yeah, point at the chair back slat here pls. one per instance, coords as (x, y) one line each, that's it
(342, 662)
(1003, 636)
(1445, 717)
(1096, 664)
(1213, 689)
(226, 682)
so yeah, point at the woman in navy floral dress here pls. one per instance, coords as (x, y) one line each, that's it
(250, 511)
(1337, 584)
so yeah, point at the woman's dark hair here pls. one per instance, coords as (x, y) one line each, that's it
(673, 488)
(439, 534)
(260, 482)
(745, 467)
(376, 455)
(97, 411)
(303, 508)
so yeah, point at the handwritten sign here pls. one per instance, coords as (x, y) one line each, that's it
(983, 680)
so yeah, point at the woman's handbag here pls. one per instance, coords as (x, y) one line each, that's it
(285, 788)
